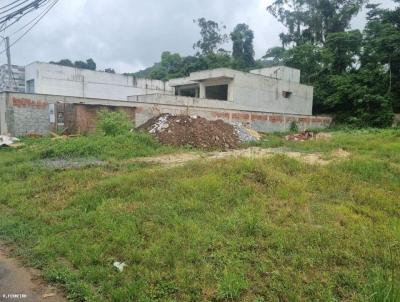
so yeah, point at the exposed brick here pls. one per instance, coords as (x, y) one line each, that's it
(221, 115)
(305, 120)
(23, 102)
(240, 116)
(317, 120)
(276, 118)
(259, 117)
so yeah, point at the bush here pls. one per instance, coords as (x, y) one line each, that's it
(293, 127)
(113, 123)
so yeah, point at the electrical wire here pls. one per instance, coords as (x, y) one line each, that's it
(19, 13)
(33, 25)
(17, 20)
(5, 6)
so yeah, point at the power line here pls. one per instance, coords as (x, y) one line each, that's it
(15, 6)
(17, 20)
(5, 6)
(21, 11)
(33, 25)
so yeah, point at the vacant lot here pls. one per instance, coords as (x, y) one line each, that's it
(264, 229)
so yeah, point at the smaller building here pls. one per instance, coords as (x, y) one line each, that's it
(17, 80)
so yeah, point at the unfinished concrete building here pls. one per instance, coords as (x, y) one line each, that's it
(52, 79)
(67, 99)
(268, 99)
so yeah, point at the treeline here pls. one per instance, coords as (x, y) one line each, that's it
(89, 64)
(356, 74)
(209, 53)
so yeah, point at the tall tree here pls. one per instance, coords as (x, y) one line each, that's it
(212, 36)
(312, 20)
(243, 49)
(382, 47)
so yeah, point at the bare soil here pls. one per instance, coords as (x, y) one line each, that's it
(22, 284)
(182, 130)
(254, 152)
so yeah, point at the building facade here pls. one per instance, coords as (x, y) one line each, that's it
(268, 99)
(44, 78)
(17, 81)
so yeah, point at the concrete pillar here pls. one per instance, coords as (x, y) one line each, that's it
(202, 90)
(3, 108)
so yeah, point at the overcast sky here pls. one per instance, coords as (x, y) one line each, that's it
(129, 35)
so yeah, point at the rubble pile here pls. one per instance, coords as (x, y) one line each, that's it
(308, 135)
(182, 130)
(245, 134)
(7, 141)
(300, 137)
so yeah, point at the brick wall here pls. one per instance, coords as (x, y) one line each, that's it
(263, 122)
(28, 116)
(86, 116)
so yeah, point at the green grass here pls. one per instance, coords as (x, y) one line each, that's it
(229, 230)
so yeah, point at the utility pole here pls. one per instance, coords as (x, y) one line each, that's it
(9, 63)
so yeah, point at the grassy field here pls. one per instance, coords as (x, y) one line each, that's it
(229, 230)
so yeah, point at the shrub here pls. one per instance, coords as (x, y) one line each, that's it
(113, 123)
(293, 127)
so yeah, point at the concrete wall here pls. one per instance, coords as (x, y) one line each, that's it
(280, 73)
(3, 108)
(68, 81)
(149, 106)
(256, 92)
(267, 94)
(35, 113)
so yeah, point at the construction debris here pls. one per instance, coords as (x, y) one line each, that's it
(245, 134)
(182, 130)
(120, 266)
(8, 141)
(308, 135)
(301, 137)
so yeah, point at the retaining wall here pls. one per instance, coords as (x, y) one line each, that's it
(152, 105)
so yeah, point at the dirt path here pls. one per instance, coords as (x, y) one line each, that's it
(21, 284)
(255, 152)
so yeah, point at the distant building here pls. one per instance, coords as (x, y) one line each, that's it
(17, 79)
(267, 99)
(51, 79)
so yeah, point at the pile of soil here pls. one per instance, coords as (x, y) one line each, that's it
(181, 130)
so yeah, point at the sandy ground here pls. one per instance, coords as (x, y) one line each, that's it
(22, 284)
(255, 152)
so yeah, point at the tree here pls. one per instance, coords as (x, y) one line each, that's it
(312, 21)
(274, 56)
(64, 62)
(243, 49)
(211, 36)
(342, 50)
(382, 47)
(109, 70)
(89, 64)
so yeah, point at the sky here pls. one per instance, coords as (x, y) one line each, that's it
(129, 35)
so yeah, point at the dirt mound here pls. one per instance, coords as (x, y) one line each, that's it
(181, 130)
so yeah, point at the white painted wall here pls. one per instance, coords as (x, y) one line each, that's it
(67, 81)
